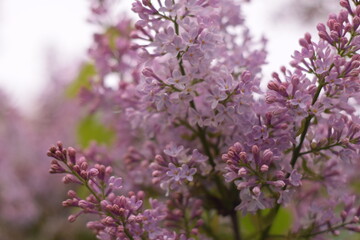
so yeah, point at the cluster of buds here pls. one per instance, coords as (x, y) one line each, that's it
(121, 216)
(258, 176)
(184, 210)
(78, 170)
(341, 28)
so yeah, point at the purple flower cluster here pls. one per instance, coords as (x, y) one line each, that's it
(177, 167)
(259, 178)
(121, 216)
(186, 117)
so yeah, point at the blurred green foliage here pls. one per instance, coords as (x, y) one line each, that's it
(91, 129)
(82, 80)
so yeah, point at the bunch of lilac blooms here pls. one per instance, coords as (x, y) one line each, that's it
(195, 151)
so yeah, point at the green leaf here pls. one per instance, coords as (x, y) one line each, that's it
(249, 225)
(282, 222)
(91, 129)
(82, 80)
(112, 35)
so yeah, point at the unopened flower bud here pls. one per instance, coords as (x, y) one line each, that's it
(199, 222)
(59, 145)
(147, 72)
(356, 22)
(256, 191)
(353, 228)
(52, 149)
(159, 159)
(108, 170)
(59, 155)
(242, 185)
(243, 156)
(242, 172)
(140, 195)
(267, 157)
(67, 203)
(345, 141)
(72, 155)
(71, 194)
(344, 3)
(81, 160)
(70, 179)
(278, 183)
(273, 86)
(156, 173)
(93, 172)
(280, 174)
(84, 165)
(355, 219)
(108, 221)
(238, 147)
(195, 231)
(255, 150)
(231, 154)
(72, 218)
(83, 204)
(264, 168)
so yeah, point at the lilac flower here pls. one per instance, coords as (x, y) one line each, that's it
(176, 46)
(295, 178)
(114, 182)
(188, 79)
(173, 151)
(195, 117)
(187, 173)
(178, 80)
(254, 171)
(215, 97)
(193, 55)
(174, 172)
(189, 37)
(207, 41)
(170, 7)
(250, 202)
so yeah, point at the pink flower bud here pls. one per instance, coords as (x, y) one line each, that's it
(225, 157)
(242, 172)
(355, 219)
(83, 204)
(264, 168)
(238, 147)
(273, 86)
(241, 185)
(243, 157)
(255, 149)
(278, 183)
(72, 218)
(72, 155)
(93, 172)
(256, 191)
(71, 194)
(147, 72)
(83, 165)
(343, 215)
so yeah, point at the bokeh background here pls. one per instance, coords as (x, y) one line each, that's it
(42, 46)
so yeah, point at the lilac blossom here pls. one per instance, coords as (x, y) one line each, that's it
(186, 101)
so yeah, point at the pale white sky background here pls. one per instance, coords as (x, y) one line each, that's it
(29, 29)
